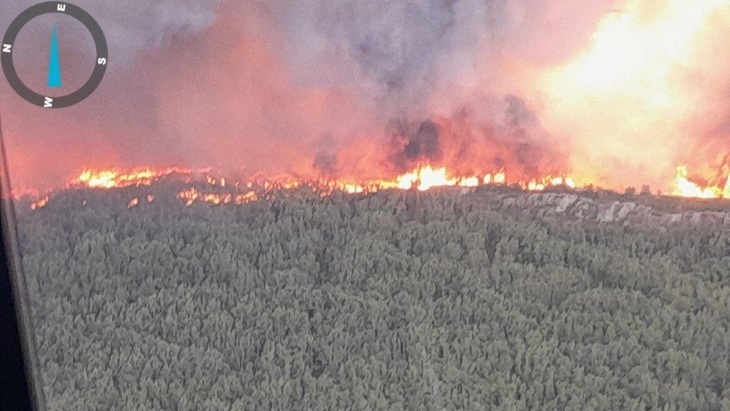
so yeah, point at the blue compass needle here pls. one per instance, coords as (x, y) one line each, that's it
(54, 64)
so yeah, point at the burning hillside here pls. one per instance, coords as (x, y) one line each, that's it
(204, 186)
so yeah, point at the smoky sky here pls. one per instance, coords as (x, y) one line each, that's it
(132, 26)
(253, 86)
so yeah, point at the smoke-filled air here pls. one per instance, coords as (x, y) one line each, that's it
(605, 93)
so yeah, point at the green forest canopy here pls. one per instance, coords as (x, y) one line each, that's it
(394, 300)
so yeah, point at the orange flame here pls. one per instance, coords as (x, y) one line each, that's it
(685, 187)
(191, 195)
(135, 178)
(40, 203)
(424, 177)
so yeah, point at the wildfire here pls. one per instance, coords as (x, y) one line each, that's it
(539, 185)
(685, 187)
(192, 194)
(40, 203)
(217, 191)
(424, 178)
(135, 178)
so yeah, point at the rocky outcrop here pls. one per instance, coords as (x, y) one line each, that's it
(578, 207)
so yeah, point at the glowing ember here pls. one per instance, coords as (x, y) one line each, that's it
(247, 198)
(192, 195)
(133, 203)
(189, 195)
(40, 203)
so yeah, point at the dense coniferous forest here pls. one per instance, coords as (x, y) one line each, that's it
(395, 300)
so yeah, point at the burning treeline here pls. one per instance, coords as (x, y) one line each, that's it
(201, 186)
(379, 94)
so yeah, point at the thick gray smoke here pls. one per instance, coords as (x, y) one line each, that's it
(393, 51)
(130, 26)
(413, 144)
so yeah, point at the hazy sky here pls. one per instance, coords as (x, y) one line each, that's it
(614, 92)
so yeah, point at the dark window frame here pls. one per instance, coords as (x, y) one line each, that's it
(20, 379)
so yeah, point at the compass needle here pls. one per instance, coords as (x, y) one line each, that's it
(54, 64)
